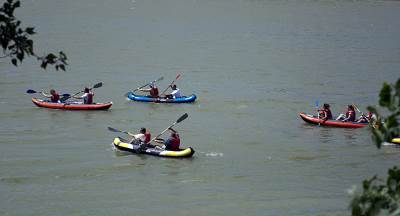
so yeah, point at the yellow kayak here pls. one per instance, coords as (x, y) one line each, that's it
(396, 140)
(124, 145)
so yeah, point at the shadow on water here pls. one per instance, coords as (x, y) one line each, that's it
(326, 135)
(350, 135)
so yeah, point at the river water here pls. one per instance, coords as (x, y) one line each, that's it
(254, 65)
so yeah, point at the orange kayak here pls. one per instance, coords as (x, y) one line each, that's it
(71, 105)
(332, 123)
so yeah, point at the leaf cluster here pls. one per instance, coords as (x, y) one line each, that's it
(379, 197)
(387, 127)
(16, 41)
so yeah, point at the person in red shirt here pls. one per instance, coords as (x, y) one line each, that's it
(153, 91)
(54, 96)
(173, 142)
(350, 115)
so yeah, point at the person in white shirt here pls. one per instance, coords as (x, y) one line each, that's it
(176, 93)
(87, 96)
(138, 138)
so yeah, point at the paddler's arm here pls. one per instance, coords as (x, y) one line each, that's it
(77, 97)
(130, 134)
(145, 90)
(46, 95)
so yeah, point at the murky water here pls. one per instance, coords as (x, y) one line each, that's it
(253, 65)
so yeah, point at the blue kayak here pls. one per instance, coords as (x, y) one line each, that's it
(144, 98)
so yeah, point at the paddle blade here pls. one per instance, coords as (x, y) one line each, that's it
(159, 79)
(113, 129)
(183, 117)
(30, 91)
(66, 95)
(317, 103)
(177, 76)
(64, 98)
(98, 85)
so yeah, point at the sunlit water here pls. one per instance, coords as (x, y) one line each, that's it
(253, 65)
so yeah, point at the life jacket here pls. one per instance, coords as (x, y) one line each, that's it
(89, 98)
(328, 114)
(147, 137)
(154, 92)
(174, 143)
(325, 114)
(55, 98)
(321, 113)
(351, 115)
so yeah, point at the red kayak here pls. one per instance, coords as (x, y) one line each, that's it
(71, 105)
(332, 123)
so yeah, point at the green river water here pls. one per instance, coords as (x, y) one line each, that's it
(254, 65)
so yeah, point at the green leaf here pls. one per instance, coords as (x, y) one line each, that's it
(20, 56)
(385, 95)
(397, 87)
(30, 30)
(4, 43)
(17, 4)
(14, 61)
(43, 65)
(372, 109)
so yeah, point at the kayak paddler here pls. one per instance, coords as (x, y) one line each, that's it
(350, 115)
(176, 93)
(173, 142)
(153, 90)
(325, 113)
(87, 96)
(54, 96)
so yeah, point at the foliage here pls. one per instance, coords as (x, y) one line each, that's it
(16, 42)
(387, 128)
(378, 197)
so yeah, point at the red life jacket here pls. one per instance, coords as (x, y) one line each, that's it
(328, 114)
(351, 115)
(55, 97)
(174, 143)
(325, 114)
(89, 99)
(147, 137)
(154, 92)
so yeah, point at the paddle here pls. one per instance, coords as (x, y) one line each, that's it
(159, 79)
(116, 130)
(176, 78)
(183, 117)
(125, 132)
(31, 91)
(97, 85)
(317, 106)
(362, 114)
